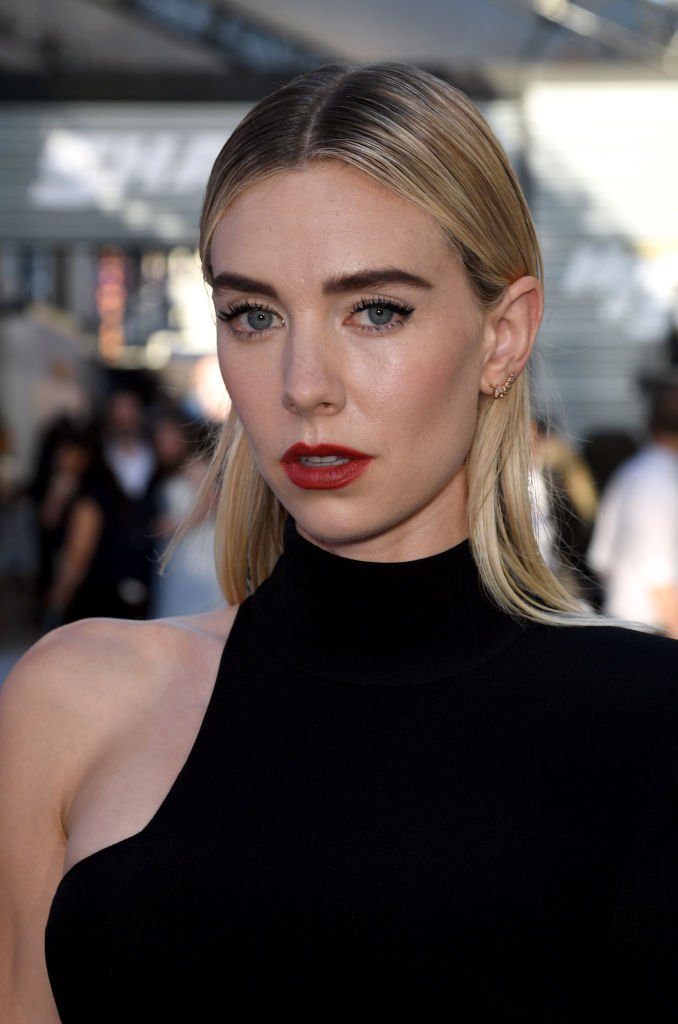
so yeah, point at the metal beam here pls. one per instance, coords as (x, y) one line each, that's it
(610, 34)
(242, 41)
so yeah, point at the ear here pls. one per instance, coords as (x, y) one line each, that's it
(509, 332)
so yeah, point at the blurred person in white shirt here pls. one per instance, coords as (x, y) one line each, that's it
(634, 548)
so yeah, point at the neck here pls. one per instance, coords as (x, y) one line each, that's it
(378, 622)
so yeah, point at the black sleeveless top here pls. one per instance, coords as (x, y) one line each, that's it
(402, 802)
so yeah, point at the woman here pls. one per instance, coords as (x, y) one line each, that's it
(191, 585)
(391, 781)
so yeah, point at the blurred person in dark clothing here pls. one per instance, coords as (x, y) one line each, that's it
(127, 449)
(17, 549)
(171, 444)
(105, 564)
(67, 453)
(604, 452)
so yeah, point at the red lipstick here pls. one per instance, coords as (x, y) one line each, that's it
(323, 467)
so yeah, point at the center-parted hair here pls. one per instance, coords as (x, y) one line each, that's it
(424, 140)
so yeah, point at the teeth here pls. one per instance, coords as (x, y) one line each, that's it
(322, 460)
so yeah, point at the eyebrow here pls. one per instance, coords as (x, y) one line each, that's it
(362, 279)
(239, 283)
(372, 279)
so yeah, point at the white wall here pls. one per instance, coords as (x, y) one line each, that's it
(604, 157)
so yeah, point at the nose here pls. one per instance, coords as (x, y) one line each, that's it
(313, 382)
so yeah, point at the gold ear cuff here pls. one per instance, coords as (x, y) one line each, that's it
(499, 390)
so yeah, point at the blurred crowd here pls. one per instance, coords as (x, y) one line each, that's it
(606, 515)
(88, 534)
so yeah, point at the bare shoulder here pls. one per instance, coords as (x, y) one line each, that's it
(84, 702)
(84, 683)
(71, 676)
(103, 663)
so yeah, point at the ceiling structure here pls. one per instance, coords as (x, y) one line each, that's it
(93, 43)
(444, 31)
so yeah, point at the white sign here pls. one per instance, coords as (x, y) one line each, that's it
(80, 170)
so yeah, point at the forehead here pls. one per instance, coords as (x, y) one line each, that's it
(327, 215)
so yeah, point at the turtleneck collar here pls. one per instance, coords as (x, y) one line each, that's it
(391, 623)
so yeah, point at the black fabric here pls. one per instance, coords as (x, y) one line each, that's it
(118, 577)
(400, 802)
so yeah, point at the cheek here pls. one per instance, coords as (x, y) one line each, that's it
(237, 395)
(227, 375)
(444, 403)
(243, 384)
(257, 408)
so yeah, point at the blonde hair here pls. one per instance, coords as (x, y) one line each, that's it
(424, 140)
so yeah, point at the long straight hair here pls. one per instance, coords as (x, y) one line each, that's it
(424, 140)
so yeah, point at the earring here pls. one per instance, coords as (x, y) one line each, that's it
(499, 390)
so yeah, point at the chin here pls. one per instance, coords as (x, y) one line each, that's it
(331, 535)
(343, 534)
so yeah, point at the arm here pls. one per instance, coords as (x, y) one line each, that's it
(666, 602)
(54, 720)
(82, 537)
(32, 842)
(95, 693)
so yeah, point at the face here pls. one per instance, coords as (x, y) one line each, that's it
(125, 415)
(352, 347)
(169, 443)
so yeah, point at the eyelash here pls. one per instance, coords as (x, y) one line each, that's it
(367, 302)
(381, 302)
(244, 306)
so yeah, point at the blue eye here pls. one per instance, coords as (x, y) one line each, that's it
(380, 315)
(248, 318)
(259, 319)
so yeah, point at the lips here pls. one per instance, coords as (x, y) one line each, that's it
(323, 466)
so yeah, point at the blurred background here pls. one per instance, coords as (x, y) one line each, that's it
(111, 112)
